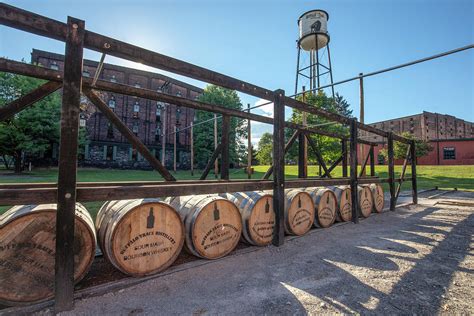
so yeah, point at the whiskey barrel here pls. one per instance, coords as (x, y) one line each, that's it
(139, 237)
(378, 197)
(213, 225)
(299, 212)
(366, 202)
(28, 248)
(258, 217)
(325, 206)
(344, 202)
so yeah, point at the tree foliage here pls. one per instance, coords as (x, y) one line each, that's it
(204, 133)
(422, 148)
(329, 147)
(32, 132)
(265, 147)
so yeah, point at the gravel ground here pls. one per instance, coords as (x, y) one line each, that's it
(417, 260)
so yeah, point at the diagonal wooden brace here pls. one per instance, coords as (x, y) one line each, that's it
(288, 145)
(210, 163)
(318, 156)
(334, 165)
(129, 135)
(23, 102)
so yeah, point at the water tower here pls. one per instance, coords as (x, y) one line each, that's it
(314, 63)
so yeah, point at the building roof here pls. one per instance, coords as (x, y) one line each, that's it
(415, 115)
(90, 63)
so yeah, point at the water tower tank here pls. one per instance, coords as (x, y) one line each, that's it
(313, 26)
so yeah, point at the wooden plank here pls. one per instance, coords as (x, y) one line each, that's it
(216, 163)
(225, 147)
(128, 134)
(364, 165)
(279, 167)
(302, 156)
(44, 73)
(391, 171)
(414, 187)
(67, 166)
(210, 163)
(9, 110)
(319, 157)
(372, 161)
(353, 172)
(249, 146)
(344, 157)
(334, 165)
(287, 147)
(37, 24)
(402, 175)
(191, 141)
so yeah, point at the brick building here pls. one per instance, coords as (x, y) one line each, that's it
(147, 119)
(452, 138)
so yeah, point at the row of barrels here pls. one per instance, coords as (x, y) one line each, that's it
(144, 236)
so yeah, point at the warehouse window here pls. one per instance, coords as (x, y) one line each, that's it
(86, 73)
(137, 85)
(110, 153)
(178, 115)
(449, 153)
(135, 128)
(158, 133)
(82, 121)
(112, 102)
(54, 66)
(110, 130)
(113, 79)
(179, 94)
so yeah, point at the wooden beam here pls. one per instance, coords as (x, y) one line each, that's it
(279, 167)
(364, 165)
(414, 187)
(319, 157)
(192, 148)
(344, 157)
(353, 172)
(210, 163)
(9, 110)
(402, 175)
(37, 24)
(216, 163)
(45, 73)
(288, 145)
(225, 147)
(249, 145)
(334, 165)
(67, 167)
(391, 171)
(128, 134)
(372, 161)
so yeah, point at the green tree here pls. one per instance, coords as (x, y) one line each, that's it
(204, 133)
(33, 131)
(329, 147)
(422, 148)
(265, 147)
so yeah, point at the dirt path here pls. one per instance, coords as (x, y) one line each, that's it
(415, 260)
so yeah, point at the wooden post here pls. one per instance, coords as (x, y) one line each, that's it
(414, 187)
(362, 114)
(163, 138)
(249, 146)
(174, 148)
(216, 162)
(225, 147)
(303, 147)
(353, 171)
(391, 171)
(279, 166)
(344, 157)
(67, 169)
(372, 161)
(192, 149)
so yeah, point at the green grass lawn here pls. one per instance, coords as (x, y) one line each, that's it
(444, 177)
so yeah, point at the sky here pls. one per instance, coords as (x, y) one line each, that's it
(255, 41)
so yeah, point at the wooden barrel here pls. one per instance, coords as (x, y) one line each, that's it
(366, 202)
(325, 206)
(378, 197)
(139, 237)
(28, 248)
(299, 212)
(213, 225)
(344, 202)
(258, 218)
